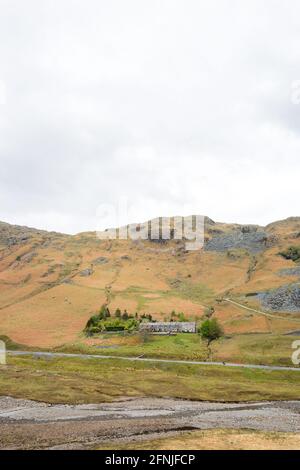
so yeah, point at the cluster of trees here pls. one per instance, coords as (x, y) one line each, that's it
(104, 321)
(209, 330)
(121, 315)
(119, 321)
(178, 316)
(147, 317)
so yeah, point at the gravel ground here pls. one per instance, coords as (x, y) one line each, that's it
(30, 425)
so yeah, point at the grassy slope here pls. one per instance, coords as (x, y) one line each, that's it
(66, 380)
(37, 308)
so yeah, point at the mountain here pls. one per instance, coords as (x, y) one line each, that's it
(51, 283)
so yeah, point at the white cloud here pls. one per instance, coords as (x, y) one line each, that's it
(2, 92)
(170, 104)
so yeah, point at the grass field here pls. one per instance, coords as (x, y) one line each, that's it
(220, 439)
(70, 380)
(248, 348)
(261, 349)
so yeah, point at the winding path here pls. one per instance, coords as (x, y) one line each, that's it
(260, 312)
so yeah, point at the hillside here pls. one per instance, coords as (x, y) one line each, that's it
(51, 283)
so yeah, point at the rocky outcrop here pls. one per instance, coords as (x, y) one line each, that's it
(100, 260)
(283, 299)
(11, 235)
(290, 272)
(86, 272)
(246, 237)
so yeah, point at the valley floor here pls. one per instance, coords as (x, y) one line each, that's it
(150, 423)
(76, 402)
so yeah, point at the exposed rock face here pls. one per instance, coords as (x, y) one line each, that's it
(249, 228)
(28, 257)
(11, 235)
(290, 272)
(100, 260)
(68, 281)
(248, 238)
(86, 272)
(283, 299)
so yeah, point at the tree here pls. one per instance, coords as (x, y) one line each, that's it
(210, 330)
(92, 322)
(181, 317)
(104, 313)
(125, 315)
(118, 313)
(146, 317)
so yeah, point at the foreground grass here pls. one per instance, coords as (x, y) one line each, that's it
(72, 380)
(269, 349)
(220, 439)
(180, 346)
(265, 349)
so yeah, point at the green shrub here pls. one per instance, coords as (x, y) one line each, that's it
(104, 322)
(131, 324)
(177, 317)
(209, 311)
(293, 253)
(95, 329)
(92, 322)
(181, 317)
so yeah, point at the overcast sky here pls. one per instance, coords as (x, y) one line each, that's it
(175, 106)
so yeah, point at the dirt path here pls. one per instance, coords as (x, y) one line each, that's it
(27, 424)
(260, 312)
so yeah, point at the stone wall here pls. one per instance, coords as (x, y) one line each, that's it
(169, 327)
